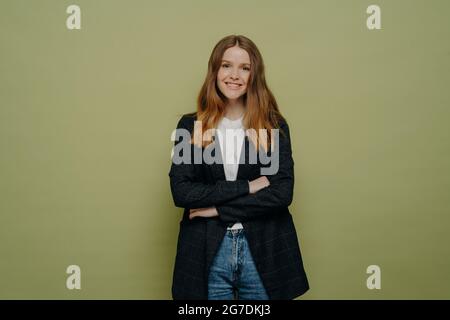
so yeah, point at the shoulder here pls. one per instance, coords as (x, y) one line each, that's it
(283, 125)
(187, 121)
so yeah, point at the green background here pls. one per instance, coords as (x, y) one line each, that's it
(86, 117)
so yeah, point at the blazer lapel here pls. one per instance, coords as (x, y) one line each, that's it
(244, 165)
(217, 168)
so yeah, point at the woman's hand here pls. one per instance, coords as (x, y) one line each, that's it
(203, 212)
(258, 184)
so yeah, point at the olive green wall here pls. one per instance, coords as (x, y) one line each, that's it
(86, 117)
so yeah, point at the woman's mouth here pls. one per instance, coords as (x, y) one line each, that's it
(233, 86)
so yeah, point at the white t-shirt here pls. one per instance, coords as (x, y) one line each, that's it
(231, 135)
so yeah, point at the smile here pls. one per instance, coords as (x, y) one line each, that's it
(233, 86)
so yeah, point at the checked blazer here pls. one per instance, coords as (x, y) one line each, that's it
(265, 216)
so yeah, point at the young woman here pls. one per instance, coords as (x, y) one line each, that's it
(237, 238)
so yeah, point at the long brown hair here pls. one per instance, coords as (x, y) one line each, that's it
(261, 108)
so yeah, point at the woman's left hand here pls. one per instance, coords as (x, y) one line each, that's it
(203, 212)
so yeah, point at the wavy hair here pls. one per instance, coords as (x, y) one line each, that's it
(261, 108)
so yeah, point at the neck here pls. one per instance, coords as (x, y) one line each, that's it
(234, 109)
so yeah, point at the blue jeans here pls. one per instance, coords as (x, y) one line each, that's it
(233, 273)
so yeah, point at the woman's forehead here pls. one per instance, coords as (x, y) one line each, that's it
(236, 54)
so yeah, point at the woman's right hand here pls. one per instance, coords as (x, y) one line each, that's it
(258, 184)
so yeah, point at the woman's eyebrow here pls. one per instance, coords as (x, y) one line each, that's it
(232, 62)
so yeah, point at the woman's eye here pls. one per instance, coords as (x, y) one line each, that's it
(227, 65)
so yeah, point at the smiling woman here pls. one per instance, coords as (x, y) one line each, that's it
(234, 73)
(237, 238)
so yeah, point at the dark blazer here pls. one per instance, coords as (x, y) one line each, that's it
(265, 216)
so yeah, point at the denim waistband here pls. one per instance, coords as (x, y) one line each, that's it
(235, 232)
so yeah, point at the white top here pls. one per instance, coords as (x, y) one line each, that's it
(231, 135)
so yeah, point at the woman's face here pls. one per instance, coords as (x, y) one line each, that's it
(234, 73)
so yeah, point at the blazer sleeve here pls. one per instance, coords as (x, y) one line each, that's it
(278, 195)
(189, 193)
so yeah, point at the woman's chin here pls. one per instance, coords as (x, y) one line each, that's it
(233, 95)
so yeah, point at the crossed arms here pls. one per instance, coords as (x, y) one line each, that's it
(238, 200)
